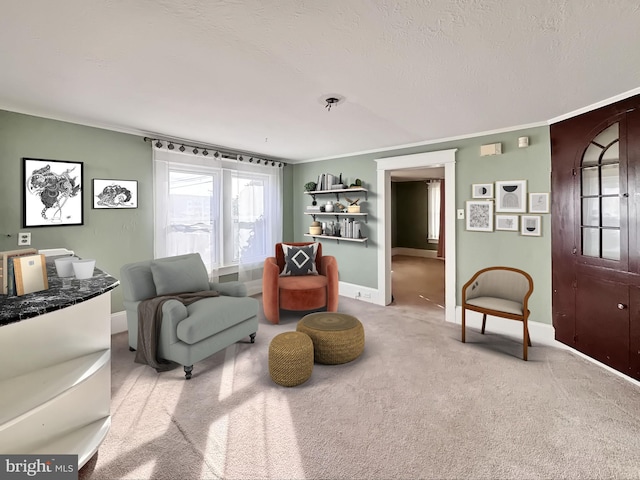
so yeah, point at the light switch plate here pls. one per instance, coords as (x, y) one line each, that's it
(461, 214)
(24, 238)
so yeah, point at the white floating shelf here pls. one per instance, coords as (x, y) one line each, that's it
(338, 239)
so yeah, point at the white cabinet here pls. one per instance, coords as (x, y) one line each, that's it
(55, 381)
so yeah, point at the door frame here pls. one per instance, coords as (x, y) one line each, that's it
(446, 158)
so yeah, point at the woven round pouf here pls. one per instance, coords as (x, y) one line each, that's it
(337, 337)
(290, 358)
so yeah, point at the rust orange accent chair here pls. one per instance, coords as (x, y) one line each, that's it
(299, 292)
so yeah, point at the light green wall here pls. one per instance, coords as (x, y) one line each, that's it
(474, 250)
(116, 237)
(112, 237)
(358, 263)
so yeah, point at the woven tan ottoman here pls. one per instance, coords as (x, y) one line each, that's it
(290, 358)
(337, 337)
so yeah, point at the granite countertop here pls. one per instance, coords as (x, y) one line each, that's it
(58, 296)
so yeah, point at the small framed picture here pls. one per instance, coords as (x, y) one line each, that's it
(115, 193)
(508, 223)
(52, 193)
(482, 190)
(511, 196)
(480, 216)
(531, 225)
(538, 203)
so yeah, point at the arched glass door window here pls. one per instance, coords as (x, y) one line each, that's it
(600, 195)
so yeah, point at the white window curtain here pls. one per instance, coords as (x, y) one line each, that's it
(227, 210)
(433, 227)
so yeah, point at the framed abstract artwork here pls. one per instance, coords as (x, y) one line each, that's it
(115, 193)
(511, 196)
(482, 190)
(531, 225)
(508, 223)
(538, 203)
(480, 216)
(52, 193)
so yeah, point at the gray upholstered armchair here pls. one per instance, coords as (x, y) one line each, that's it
(500, 292)
(192, 332)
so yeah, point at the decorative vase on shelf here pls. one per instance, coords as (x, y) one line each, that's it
(329, 206)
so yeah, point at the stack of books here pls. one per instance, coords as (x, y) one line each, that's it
(328, 181)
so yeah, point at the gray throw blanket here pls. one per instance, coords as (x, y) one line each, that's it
(150, 321)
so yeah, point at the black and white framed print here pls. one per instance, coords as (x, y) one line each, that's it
(52, 193)
(531, 225)
(511, 196)
(480, 215)
(482, 190)
(538, 203)
(115, 193)
(508, 223)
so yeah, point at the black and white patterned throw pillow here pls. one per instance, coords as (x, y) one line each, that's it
(299, 260)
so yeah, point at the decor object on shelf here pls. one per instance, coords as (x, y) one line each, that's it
(115, 193)
(500, 292)
(538, 203)
(356, 183)
(290, 358)
(337, 337)
(479, 215)
(193, 332)
(329, 206)
(511, 196)
(353, 205)
(30, 274)
(7, 277)
(310, 186)
(315, 228)
(482, 190)
(531, 225)
(52, 193)
(83, 269)
(299, 293)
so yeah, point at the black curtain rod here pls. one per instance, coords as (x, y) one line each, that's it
(217, 152)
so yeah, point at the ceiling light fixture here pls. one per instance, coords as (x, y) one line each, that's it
(205, 153)
(182, 149)
(330, 102)
(195, 151)
(171, 147)
(158, 144)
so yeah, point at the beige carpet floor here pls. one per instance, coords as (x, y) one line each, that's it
(418, 404)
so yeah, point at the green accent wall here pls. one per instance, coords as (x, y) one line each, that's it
(112, 237)
(474, 250)
(116, 237)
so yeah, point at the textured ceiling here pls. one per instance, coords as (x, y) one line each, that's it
(253, 75)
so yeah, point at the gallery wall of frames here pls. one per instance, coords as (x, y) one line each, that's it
(506, 205)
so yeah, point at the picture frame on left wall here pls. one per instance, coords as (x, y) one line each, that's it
(52, 193)
(115, 193)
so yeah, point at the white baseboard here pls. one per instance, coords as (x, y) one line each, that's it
(540, 333)
(366, 294)
(118, 322)
(415, 252)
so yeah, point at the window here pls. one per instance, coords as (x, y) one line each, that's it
(600, 196)
(231, 214)
(433, 227)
